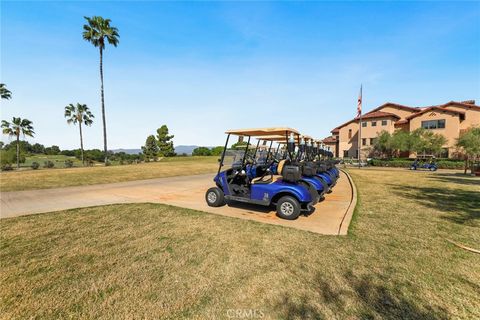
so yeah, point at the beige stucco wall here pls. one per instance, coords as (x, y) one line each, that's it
(347, 143)
(453, 125)
(472, 116)
(368, 133)
(451, 130)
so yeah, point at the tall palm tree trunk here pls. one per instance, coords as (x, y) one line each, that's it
(18, 151)
(103, 107)
(81, 142)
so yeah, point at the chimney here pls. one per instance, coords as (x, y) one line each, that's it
(468, 102)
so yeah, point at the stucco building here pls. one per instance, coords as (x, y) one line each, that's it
(449, 119)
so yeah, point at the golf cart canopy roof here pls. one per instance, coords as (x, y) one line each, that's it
(261, 132)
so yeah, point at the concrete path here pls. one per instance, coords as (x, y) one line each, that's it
(331, 216)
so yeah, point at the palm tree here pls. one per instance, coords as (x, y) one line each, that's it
(79, 114)
(14, 129)
(4, 92)
(98, 32)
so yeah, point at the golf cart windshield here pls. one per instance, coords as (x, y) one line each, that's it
(253, 151)
(233, 157)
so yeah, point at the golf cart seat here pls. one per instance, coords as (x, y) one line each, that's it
(270, 178)
(266, 179)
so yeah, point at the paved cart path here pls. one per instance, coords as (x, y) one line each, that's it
(331, 216)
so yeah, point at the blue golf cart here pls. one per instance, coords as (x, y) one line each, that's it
(425, 162)
(286, 189)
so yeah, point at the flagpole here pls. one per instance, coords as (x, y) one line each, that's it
(360, 127)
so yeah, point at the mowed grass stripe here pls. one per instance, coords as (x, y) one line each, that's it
(152, 261)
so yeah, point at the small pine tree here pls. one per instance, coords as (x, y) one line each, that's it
(165, 143)
(150, 149)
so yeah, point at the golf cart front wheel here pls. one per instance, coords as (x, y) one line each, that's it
(288, 208)
(215, 197)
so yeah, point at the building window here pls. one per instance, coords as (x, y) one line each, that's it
(372, 141)
(345, 153)
(384, 122)
(364, 124)
(444, 153)
(364, 141)
(349, 133)
(433, 124)
(374, 123)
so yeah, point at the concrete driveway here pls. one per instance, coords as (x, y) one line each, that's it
(331, 216)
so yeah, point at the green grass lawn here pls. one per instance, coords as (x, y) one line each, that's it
(52, 178)
(153, 261)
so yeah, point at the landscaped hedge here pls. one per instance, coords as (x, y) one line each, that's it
(403, 163)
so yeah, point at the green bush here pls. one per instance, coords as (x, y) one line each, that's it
(7, 167)
(48, 164)
(68, 163)
(10, 156)
(35, 165)
(401, 163)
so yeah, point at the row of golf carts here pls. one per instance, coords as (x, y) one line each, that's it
(276, 166)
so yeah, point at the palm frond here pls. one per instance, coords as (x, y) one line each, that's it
(98, 29)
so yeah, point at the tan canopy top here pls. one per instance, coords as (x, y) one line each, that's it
(282, 139)
(261, 132)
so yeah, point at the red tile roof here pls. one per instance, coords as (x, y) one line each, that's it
(375, 113)
(378, 114)
(440, 108)
(369, 115)
(396, 105)
(399, 122)
(330, 139)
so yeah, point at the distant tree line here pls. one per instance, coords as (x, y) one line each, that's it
(388, 145)
(9, 153)
(422, 141)
(204, 151)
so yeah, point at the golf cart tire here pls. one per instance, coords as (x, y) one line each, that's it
(288, 208)
(215, 197)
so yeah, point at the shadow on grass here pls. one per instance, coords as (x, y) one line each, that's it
(457, 178)
(460, 205)
(370, 300)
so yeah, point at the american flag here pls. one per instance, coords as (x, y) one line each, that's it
(359, 103)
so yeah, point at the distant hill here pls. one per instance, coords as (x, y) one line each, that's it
(185, 149)
(128, 151)
(178, 150)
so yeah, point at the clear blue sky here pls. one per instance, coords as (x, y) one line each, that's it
(204, 67)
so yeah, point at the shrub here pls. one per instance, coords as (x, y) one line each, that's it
(121, 162)
(108, 163)
(7, 167)
(48, 164)
(405, 163)
(10, 156)
(68, 163)
(35, 165)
